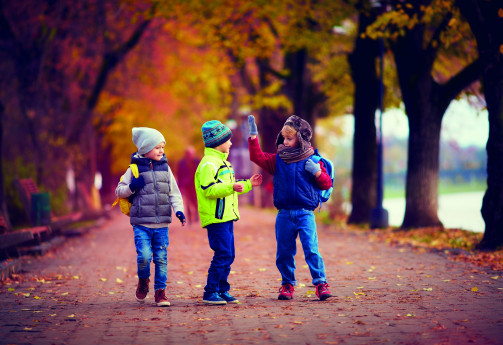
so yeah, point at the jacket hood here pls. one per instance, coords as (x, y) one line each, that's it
(304, 132)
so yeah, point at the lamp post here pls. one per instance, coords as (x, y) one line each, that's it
(379, 215)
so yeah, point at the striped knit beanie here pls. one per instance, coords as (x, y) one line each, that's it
(215, 133)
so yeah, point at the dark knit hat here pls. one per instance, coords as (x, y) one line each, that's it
(304, 132)
(215, 133)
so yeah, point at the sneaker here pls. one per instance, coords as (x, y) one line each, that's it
(160, 298)
(142, 289)
(286, 292)
(213, 298)
(228, 297)
(322, 291)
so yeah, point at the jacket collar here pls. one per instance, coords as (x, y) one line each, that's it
(141, 160)
(215, 153)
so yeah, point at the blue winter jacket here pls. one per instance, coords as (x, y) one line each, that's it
(294, 187)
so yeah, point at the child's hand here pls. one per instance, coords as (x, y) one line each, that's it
(181, 217)
(252, 125)
(312, 167)
(238, 187)
(137, 183)
(256, 180)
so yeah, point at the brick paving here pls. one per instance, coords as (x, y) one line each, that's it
(83, 293)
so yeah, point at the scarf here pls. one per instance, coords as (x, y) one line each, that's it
(293, 154)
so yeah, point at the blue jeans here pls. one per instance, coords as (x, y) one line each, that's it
(289, 223)
(221, 240)
(152, 244)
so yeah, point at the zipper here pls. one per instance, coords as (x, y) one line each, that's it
(155, 192)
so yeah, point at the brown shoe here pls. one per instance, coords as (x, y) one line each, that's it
(160, 298)
(142, 289)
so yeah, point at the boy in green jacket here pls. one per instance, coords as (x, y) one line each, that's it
(217, 199)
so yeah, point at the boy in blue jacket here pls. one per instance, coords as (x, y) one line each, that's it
(296, 179)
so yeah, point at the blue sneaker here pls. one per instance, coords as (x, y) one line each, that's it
(228, 297)
(213, 298)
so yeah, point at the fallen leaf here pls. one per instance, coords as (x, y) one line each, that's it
(262, 269)
(103, 279)
(495, 277)
(72, 315)
(475, 289)
(37, 297)
(64, 294)
(428, 289)
(118, 280)
(372, 278)
(76, 277)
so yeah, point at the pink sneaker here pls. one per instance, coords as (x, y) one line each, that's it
(286, 292)
(142, 289)
(160, 298)
(322, 291)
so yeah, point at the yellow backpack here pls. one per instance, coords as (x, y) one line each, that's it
(124, 203)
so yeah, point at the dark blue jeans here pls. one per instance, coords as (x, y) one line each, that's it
(289, 224)
(152, 244)
(221, 240)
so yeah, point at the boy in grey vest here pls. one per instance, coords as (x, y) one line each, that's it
(152, 195)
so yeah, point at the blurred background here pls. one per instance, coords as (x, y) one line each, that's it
(76, 76)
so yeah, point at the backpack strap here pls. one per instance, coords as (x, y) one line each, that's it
(136, 173)
(134, 170)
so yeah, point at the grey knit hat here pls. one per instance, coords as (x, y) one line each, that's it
(146, 139)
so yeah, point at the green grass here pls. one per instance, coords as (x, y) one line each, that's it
(443, 188)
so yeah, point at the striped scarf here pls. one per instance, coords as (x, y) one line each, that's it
(293, 154)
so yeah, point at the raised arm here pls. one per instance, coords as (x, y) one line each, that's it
(266, 161)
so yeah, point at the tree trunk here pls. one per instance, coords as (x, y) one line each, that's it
(421, 208)
(3, 202)
(492, 205)
(425, 117)
(366, 101)
(487, 26)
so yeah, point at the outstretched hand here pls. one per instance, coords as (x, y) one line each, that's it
(238, 187)
(252, 125)
(256, 180)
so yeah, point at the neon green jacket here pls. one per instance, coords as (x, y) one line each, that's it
(216, 200)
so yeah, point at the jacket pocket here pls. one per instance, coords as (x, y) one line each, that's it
(219, 209)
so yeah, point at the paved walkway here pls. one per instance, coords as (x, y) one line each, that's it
(83, 293)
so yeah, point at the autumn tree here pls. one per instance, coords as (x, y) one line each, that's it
(272, 46)
(419, 33)
(62, 54)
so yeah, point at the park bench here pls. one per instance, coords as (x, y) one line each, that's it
(26, 188)
(10, 242)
